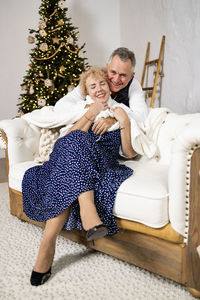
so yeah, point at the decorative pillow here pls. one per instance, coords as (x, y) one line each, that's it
(46, 144)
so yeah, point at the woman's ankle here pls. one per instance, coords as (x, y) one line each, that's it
(89, 220)
(44, 258)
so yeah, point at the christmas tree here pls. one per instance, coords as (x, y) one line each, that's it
(56, 61)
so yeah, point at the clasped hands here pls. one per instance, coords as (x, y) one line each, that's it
(102, 125)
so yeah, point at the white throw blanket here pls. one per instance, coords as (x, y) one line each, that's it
(48, 117)
(143, 135)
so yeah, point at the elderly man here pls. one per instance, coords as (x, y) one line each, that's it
(124, 89)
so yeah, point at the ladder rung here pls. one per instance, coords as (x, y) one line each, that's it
(152, 62)
(148, 95)
(148, 89)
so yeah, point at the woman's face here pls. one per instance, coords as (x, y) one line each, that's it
(98, 88)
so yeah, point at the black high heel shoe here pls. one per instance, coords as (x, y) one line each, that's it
(40, 278)
(96, 232)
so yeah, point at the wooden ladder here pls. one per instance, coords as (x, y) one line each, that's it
(150, 92)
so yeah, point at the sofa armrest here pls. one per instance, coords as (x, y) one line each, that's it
(179, 176)
(22, 140)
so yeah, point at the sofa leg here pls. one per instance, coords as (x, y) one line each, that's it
(195, 293)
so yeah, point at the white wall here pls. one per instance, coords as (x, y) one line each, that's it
(15, 19)
(179, 20)
(99, 27)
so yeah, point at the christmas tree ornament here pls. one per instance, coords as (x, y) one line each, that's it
(70, 88)
(42, 24)
(56, 40)
(20, 100)
(40, 74)
(61, 22)
(31, 39)
(41, 102)
(62, 69)
(24, 89)
(61, 4)
(70, 40)
(48, 82)
(42, 32)
(31, 91)
(43, 47)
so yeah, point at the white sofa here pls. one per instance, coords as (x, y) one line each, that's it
(157, 209)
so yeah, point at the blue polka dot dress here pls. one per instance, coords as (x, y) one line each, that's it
(79, 162)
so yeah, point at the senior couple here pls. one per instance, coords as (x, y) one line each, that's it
(77, 187)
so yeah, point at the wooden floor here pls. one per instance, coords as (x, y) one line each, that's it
(3, 175)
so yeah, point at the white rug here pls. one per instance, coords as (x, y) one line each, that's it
(78, 273)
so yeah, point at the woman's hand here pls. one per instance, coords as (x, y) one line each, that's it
(102, 124)
(97, 107)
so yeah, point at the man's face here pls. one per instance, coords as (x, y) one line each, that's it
(119, 73)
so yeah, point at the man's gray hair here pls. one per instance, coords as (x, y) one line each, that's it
(124, 54)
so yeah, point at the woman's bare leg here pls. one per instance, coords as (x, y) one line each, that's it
(88, 212)
(89, 218)
(47, 247)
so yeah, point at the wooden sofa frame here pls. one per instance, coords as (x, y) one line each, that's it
(179, 262)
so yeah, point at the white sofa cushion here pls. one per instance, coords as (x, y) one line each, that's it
(16, 173)
(143, 197)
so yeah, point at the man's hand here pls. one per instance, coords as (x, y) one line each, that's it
(120, 115)
(102, 124)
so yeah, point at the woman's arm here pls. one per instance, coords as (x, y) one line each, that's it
(125, 130)
(86, 120)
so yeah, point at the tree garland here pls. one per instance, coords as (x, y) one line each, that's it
(61, 45)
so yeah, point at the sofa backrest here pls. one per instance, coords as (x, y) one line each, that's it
(23, 140)
(172, 127)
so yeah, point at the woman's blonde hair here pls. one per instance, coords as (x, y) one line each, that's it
(94, 72)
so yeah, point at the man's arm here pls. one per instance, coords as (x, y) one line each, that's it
(137, 102)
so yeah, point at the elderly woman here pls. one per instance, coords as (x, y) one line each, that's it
(82, 174)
